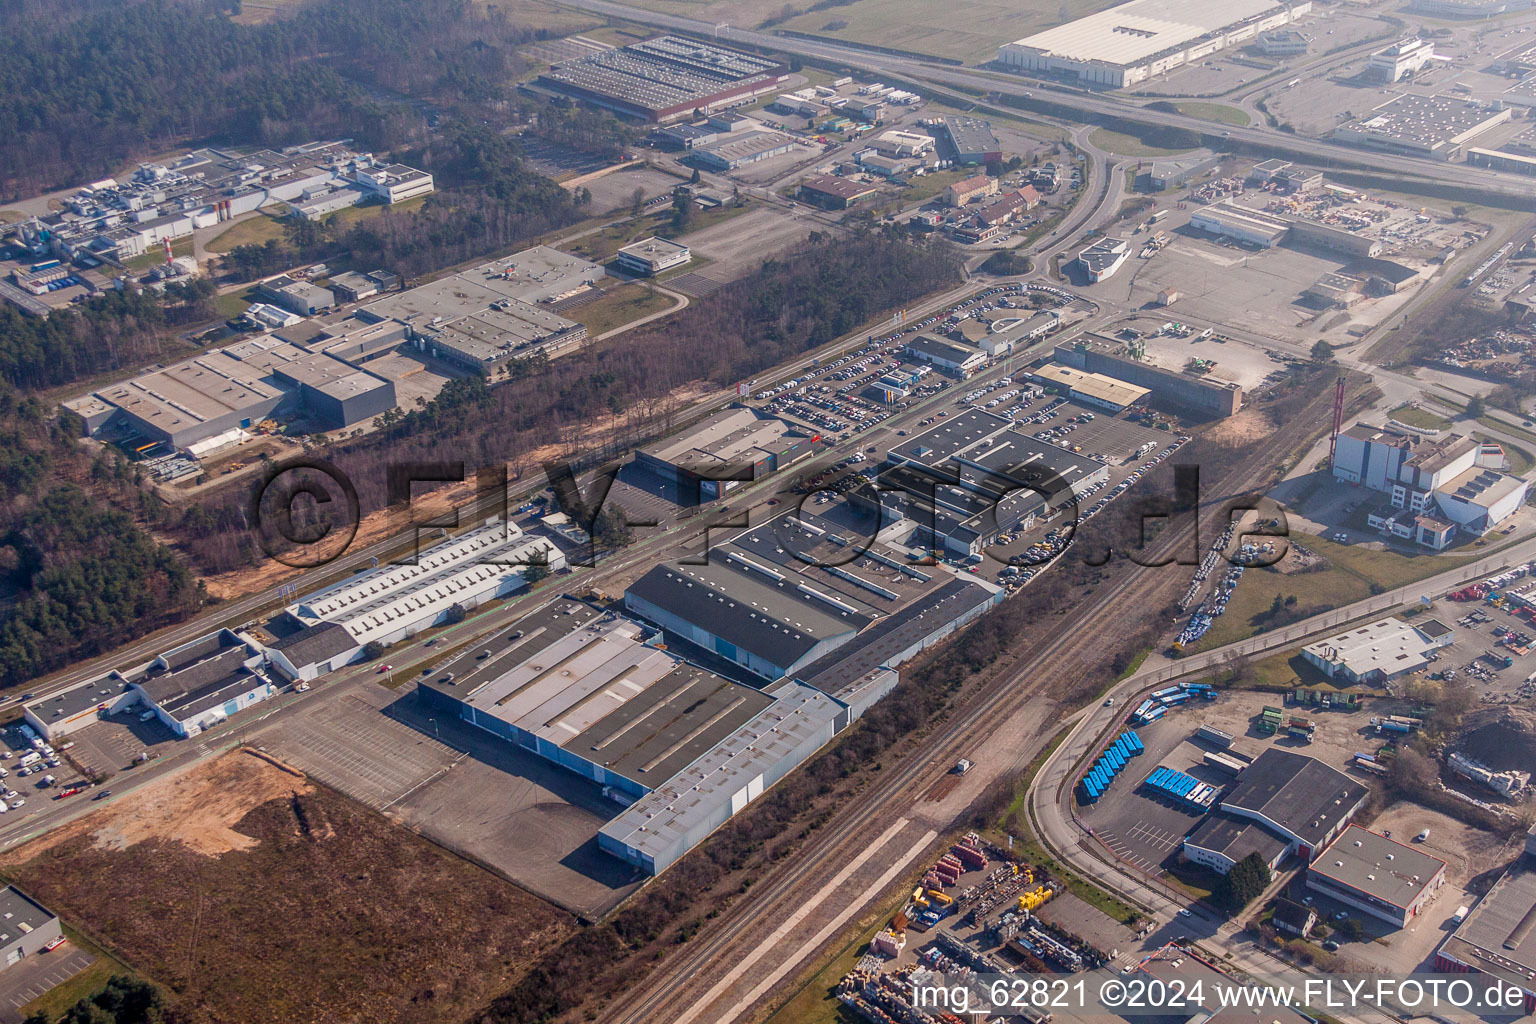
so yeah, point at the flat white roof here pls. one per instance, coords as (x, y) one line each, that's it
(1134, 31)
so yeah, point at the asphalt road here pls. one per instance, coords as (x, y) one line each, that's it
(1048, 96)
(1050, 794)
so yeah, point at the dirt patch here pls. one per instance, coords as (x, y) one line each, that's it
(1503, 738)
(198, 808)
(321, 912)
(1300, 559)
(1248, 426)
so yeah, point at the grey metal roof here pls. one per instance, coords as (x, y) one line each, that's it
(314, 644)
(1377, 866)
(1499, 936)
(663, 823)
(1235, 838)
(20, 914)
(1296, 792)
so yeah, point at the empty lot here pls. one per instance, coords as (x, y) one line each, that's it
(258, 896)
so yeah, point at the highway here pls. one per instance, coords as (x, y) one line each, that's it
(1047, 98)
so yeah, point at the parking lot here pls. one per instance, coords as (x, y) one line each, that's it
(34, 976)
(112, 744)
(520, 815)
(352, 744)
(33, 772)
(1147, 830)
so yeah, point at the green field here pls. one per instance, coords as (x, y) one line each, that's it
(1349, 578)
(972, 34)
(622, 305)
(1219, 112)
(1127, 145)
(156, 255)
(601, 246)
(257, 230)
(1416, 417)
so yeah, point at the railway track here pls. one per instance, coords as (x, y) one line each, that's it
(1066, 647)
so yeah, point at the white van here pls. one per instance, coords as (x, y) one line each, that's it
(146, 716)
(28, 760)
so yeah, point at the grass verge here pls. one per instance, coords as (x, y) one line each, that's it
(1218, 112)
(1127, 145)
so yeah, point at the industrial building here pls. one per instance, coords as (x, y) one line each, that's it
(1100, 260)
(778, 598)
(26, 927)
(654, 831)
(966, 190)
(945, 356)
(1090, 388)
(1379, 651)
(216, 396)
(1301, 801)
(1403, 59)
(1183, 968)
(969, 141)
(1435, 127)
(684, 747)
(393, 183)
(1230, 219)
(117, 220)
(1388, 880)
(1135, 41)
(973, 476)
(483, 317)
(651, 256)
(1446, 477)
(393, 602)
(833, 193)
(1221, 840)
(1497, 938)
(899, 143)
(1227, 219)
(733, 446)
(200, 684)
(189, 689)
(1282, 42)
(1173, 171)
(298, 297)
(1203, 394)
(666, 78)
(728, 151)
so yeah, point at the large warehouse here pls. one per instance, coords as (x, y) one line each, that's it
(1389, 880)
(1002, 478)
(779, 597)
(1299, 800)
(595, 694)
(1134, 41)
(190, 688)
(1203, 394)
(733, 446)
(1437, 127)
(483, 317)
(393, 602)
(666, 78)
(1497, 939)
(1379, 651)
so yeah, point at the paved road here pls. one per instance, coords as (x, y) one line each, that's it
(1048, 98)
(1050, 795)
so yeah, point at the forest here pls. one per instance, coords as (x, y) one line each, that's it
(624, 387)
(114, 331)
(487, 202)
(93, 84)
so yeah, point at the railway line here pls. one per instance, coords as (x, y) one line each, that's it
(1012, 685)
